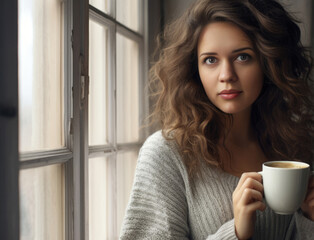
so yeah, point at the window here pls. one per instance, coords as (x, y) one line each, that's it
(82, 102)
(116, 105)
(42, 119)
(41, 75)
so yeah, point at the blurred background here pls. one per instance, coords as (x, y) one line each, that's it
(74, 105)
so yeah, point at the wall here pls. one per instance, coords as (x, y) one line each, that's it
(302, 9)
(9, 163)
(174, 8)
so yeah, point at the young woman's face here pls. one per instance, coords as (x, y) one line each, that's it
(229, 67)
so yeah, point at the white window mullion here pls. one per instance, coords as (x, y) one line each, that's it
(144, 66)
(43, 158)
(112, 85)
(68, 72)
(112, 180)
(68, 117)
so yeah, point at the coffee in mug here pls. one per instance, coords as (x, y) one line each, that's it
(286, 165)
(285, 185)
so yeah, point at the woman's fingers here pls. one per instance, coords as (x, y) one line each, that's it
(248, 181)
(258, 205)
(251, 195)
(252, 183)
(308, 204)
(310, 191)
(252, 175)
(247, 198)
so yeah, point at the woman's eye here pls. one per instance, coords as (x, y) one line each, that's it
(210, 60)
(243, 57)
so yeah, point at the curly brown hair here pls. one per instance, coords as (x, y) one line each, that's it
(282, 116)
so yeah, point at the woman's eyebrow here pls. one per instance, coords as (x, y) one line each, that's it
(208, 53)
(234, 51)
(242, 49)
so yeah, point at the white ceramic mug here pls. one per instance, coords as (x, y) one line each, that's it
(285, 185)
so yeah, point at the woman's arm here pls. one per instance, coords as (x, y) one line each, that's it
(158, 208)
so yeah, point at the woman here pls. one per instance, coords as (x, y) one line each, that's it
(235, 92)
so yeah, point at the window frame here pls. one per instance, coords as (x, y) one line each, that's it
(112, 149)
(75, 155)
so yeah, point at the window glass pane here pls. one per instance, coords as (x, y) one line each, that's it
(98, 71)
(126, 164)
(127, 90)
(40, 74)
(128, 13)
(102, 5)
(98, 198)
(42, 203)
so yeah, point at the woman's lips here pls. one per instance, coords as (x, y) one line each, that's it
(229, 94)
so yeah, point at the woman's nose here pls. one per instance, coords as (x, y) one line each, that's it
(227, 72)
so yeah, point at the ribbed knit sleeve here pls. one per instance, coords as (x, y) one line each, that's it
(163, 204)
(225, 232)
(158, 206)
(304, 226)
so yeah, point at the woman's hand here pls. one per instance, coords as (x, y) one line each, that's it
(247, 198)
(308, 204)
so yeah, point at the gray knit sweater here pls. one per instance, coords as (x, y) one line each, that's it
(165, 204)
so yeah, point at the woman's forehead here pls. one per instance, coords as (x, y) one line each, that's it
(223, 36)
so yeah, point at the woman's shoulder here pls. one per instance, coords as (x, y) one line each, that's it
(159, 144)
(160, 153)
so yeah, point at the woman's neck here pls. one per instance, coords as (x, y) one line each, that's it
(244, 153)
(241, 132)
